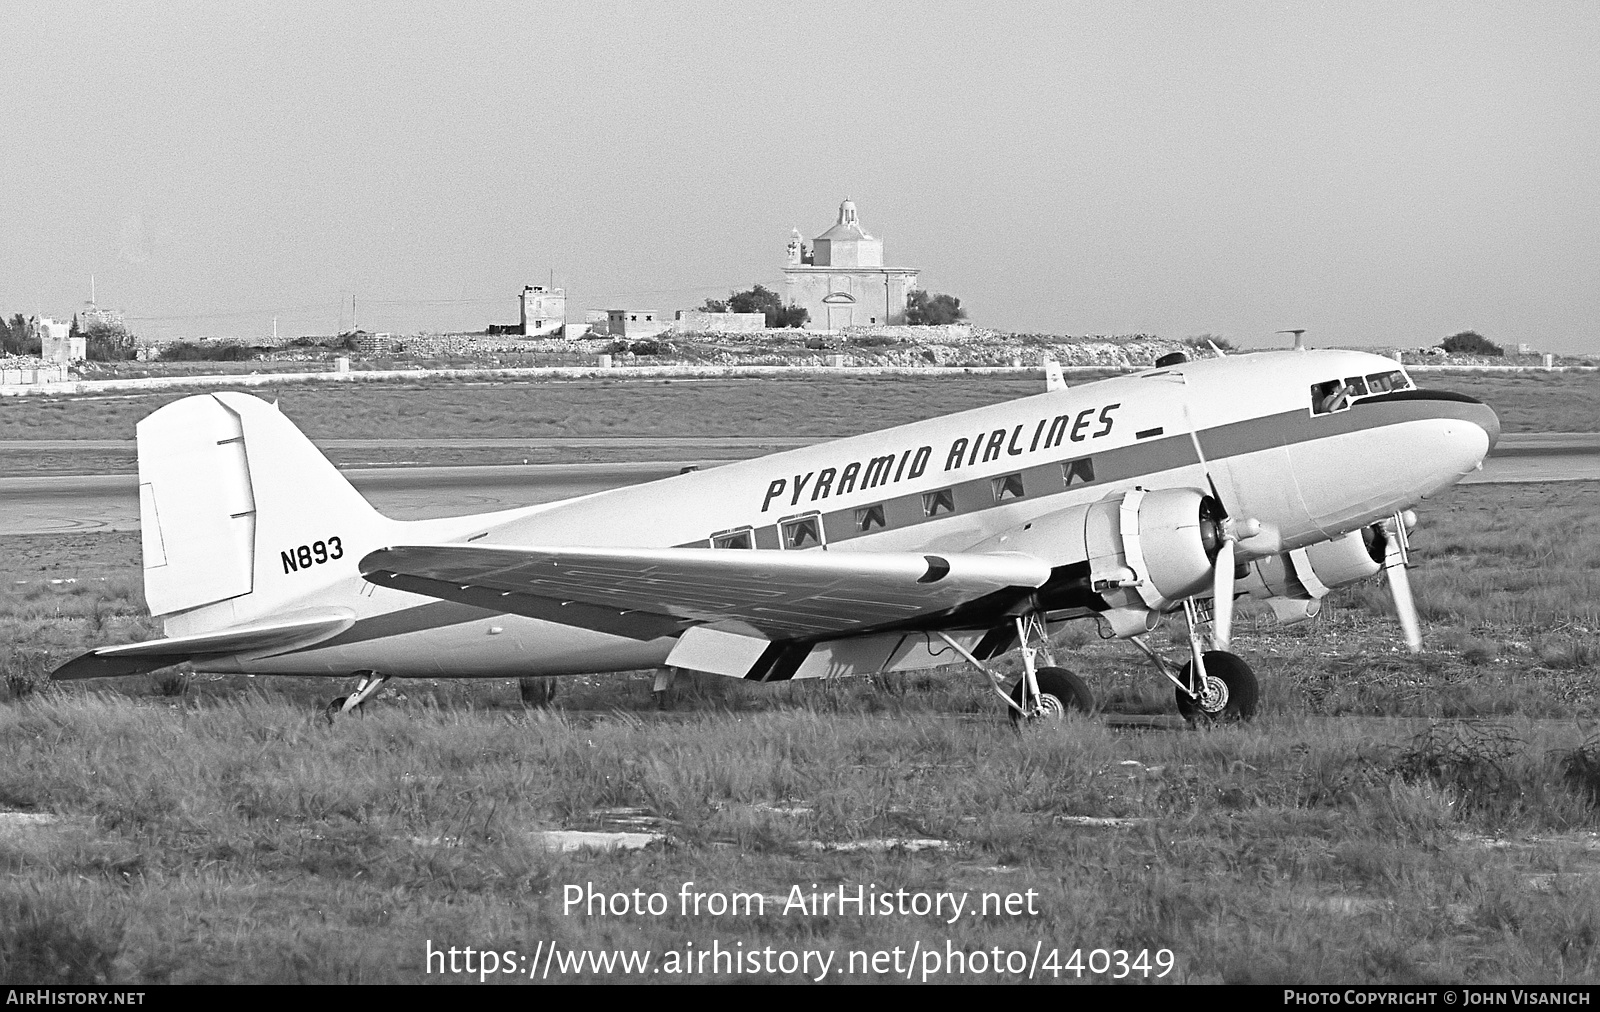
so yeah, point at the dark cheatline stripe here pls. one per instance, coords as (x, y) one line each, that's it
(1138, 460)
(1049, 478)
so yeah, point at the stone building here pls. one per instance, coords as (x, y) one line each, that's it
(841, 280)
(634, 323)
(544, 310)
(57, 343)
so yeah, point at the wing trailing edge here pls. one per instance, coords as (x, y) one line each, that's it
(257, 638)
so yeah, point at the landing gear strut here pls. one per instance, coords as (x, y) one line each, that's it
(370, 683)
(1214, 685)
(1041, 693)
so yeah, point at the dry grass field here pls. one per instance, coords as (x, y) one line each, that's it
(1386, 818)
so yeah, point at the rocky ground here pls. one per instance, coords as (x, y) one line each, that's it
(960, 345)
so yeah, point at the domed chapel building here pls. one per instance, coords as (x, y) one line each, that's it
(841, 279)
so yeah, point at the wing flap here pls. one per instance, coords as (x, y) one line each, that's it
(257, 638)
(783, 594)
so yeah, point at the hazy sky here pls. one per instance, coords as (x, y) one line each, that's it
(1383, 173)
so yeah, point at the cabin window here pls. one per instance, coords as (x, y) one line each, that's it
(938, 503)
(802, 532)
(1006, 487)
(870, 518)
(742, 537)
(1080, 471)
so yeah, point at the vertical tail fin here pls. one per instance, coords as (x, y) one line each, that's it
(241, 514)
(1053, 379)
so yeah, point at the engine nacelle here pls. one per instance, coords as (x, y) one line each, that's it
(1149, 550)
(1295, 583)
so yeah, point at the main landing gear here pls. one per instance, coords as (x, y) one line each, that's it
(1215, 685)
(370, 683)
(536, 693)
(1042, 693)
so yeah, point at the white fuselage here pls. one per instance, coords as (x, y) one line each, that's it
(950, 484)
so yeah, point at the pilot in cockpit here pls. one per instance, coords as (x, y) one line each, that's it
(1330, 396)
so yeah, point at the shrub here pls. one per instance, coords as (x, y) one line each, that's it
(24, 672)
(40, 944)
(761, 299)
(930, 309)
(1468, 756)
(1470, 342)
(224, 351)
(1580, 768)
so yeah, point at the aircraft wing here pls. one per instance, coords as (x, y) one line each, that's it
(781, 594)
(256, 638)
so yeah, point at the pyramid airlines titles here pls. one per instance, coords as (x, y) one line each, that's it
(988, 445)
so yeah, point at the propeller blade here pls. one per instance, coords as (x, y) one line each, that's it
(1405, 605)
(1222, 594)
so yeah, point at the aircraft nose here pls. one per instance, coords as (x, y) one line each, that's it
(1474, 429)
(1489, 422)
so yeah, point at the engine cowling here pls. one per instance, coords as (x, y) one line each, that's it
(1149, 550)
(1295, 583)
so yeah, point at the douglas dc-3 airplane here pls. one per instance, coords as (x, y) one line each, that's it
(1171, 491)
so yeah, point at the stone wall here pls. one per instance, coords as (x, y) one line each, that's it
(695, 321)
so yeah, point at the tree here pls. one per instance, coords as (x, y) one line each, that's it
(108, 343)
(930, 309)
(761, 299)
(1470, 342)
(18, 337)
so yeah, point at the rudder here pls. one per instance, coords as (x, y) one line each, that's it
(240, 513)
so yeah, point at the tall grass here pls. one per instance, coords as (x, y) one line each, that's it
(241, 841)
(1386, 818)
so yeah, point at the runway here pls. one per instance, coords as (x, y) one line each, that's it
(110, 502)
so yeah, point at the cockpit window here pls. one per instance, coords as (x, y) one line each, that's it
(1384, 382)
(1329, 397)
(1336, 395)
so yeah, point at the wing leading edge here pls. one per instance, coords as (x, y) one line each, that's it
(647, 592)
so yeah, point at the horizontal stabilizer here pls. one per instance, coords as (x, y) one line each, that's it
(782, 594)
(257, 638)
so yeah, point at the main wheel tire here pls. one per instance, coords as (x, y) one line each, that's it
(536, 691)
(1232, 679)
(1059, 691)
(335, 708)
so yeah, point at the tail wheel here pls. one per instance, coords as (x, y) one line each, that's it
(1232, 692)
(1059, 691)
